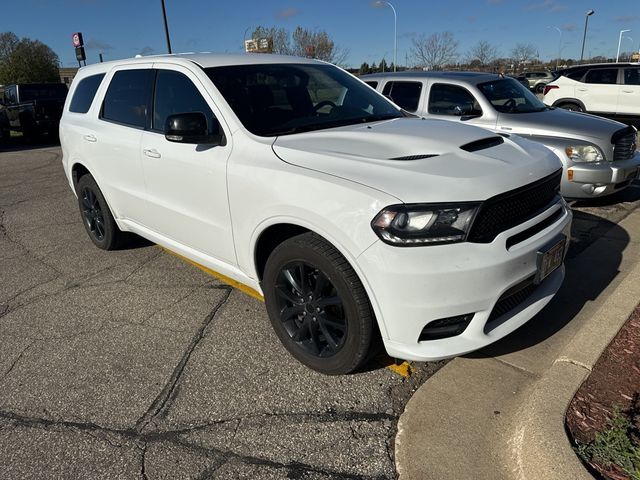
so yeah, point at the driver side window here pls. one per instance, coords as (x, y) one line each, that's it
(453, 100)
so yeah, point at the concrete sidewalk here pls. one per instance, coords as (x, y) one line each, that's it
(499, 414)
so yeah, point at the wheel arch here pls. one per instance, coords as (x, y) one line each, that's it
(273, 234)
(564, 100)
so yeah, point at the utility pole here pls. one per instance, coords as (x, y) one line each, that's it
(166, 26)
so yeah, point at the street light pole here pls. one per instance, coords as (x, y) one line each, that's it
(380, 3)
(166, 26)
(584, 37)
(559, 46)
(619, 42)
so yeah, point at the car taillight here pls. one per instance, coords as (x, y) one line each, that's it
(549, 87)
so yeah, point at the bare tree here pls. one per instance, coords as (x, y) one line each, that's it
(524, 53)
(317, 44)
(484, 52)
(436, 50)
(280, 37)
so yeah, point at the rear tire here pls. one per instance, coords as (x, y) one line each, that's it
(317, 305)
(573, 107)
(540, 88)
(96, 216)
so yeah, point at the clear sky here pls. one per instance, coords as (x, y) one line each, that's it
(121, 29)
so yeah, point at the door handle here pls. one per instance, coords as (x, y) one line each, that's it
(90, 138)
(627, 91)
(151, 152)
(582, 89)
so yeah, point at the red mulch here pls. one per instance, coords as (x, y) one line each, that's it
(614, 382)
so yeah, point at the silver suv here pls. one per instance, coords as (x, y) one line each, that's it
(599, 155)
(536, 80)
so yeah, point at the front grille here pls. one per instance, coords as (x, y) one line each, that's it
(624, 143)
(512, 208)
(508, 301)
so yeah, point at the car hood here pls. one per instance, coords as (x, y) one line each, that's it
(379, 155)
(557, 122)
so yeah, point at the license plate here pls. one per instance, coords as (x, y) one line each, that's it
(550, 258)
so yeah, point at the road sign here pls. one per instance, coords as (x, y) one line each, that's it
(76, 39)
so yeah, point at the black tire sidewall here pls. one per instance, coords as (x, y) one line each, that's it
(358, 313)
(109, 242)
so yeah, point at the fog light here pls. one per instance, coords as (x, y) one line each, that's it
(445, 327)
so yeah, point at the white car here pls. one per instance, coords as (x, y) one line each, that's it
(607, 89)
(297, 180)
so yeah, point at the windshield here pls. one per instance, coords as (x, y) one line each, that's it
(42, 92)
(280, 99)
(510, 96)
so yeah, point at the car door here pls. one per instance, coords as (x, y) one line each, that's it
(599, 90)
(112, 139)
(186, 183)
(456, 103)
(629, 99)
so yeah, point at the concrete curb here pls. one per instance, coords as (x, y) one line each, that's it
(547, 452)
(502, 416)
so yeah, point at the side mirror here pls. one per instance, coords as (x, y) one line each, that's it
(191, 127)
(461, 110)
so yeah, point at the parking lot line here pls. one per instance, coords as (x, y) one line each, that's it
(223, 278)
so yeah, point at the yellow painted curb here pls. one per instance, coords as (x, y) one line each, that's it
(223, 278)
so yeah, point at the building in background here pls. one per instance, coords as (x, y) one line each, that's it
(67, 75)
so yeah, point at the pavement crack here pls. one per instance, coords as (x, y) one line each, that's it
(143, 462)
(162, 400)
(11, 367)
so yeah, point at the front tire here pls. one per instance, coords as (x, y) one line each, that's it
(317, 305)
(573, 107)
(96, 216)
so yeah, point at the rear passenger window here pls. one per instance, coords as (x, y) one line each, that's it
(372, 84)
(404, 94)
(607, 76)
(175, 93)
(127, 98)
(84, 93)
(576, 74)
(632, 76)
(452, 100)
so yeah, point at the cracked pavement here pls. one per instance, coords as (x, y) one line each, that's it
(135, 364)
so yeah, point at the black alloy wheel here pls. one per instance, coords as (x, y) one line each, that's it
(92, 213)
(311, 310)
(318, 306)
(96, 216)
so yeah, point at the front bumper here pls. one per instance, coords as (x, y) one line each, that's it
(591, 180)
(416, 285)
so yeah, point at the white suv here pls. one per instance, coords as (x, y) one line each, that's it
(608, 89)
(297, 180)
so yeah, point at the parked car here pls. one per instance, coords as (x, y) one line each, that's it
(293, 178)
(607, 89)
(34, 109)
(599, 155)
(536, 81)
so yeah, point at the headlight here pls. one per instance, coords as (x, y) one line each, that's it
(424, 224)
(584, 153)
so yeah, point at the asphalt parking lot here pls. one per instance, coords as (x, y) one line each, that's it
(135, 364)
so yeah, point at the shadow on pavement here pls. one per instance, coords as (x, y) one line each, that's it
(18, 144)
(587, 276)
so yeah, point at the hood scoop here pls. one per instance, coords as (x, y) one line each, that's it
(415, 157)
(482, 144)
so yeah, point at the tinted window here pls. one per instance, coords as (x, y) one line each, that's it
(607, 76)
(575, 74)
(272, 99)
(84, 93)
(175, 93)
(127, 98)
(404, 94)
(372, 84)
(632, 76)
(508, 96)
(10, 95)
(35, 91)
(452, 100)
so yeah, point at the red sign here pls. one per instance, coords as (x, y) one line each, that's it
(76, 38)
